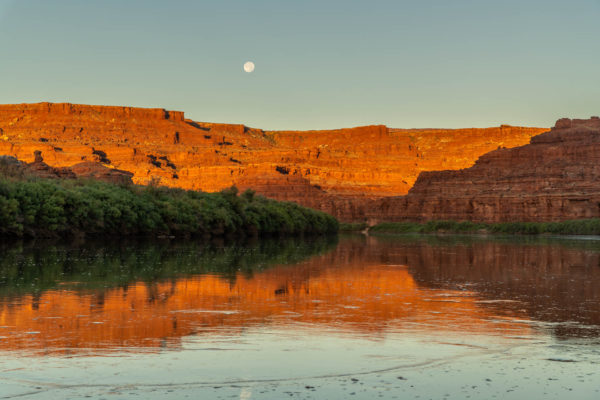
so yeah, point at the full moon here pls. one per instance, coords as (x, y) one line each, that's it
(249, 66)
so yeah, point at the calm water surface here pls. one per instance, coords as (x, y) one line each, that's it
(338, 318)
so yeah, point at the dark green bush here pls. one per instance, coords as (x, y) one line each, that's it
(39, 207)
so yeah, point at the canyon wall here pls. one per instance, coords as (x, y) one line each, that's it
(554, 178)
(339, 171)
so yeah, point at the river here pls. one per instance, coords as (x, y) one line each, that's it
(354, 317)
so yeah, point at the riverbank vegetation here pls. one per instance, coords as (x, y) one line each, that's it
(52, 207)
(353, 226)
(572, 227)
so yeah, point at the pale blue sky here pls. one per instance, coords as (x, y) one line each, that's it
(319, 64)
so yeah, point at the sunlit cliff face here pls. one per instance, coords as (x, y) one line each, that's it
(355, 298)
(331, 170)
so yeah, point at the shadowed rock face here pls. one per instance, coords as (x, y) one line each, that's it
(553, 178)
(337, 171)
(98, 171)
(85, 170)
(39, 168)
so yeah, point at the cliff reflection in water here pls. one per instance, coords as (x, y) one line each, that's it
(66, 299)
(553, 280)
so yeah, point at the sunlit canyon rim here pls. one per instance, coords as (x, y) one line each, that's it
(370, 173)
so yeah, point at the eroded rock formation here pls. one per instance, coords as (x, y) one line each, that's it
(39, 168)
(554, 178)
(84, 170)
(94, 170)
(337, 171)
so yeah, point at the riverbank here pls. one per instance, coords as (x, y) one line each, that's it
(37, 207)
(572, 227)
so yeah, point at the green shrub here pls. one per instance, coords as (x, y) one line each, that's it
(54, 207)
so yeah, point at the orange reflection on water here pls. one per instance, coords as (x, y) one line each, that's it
(363, 299)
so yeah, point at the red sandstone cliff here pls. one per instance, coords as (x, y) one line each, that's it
(337, 171)
(553, 178)
(84, 170)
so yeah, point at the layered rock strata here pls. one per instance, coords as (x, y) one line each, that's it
(338, 171)
(554, 178)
